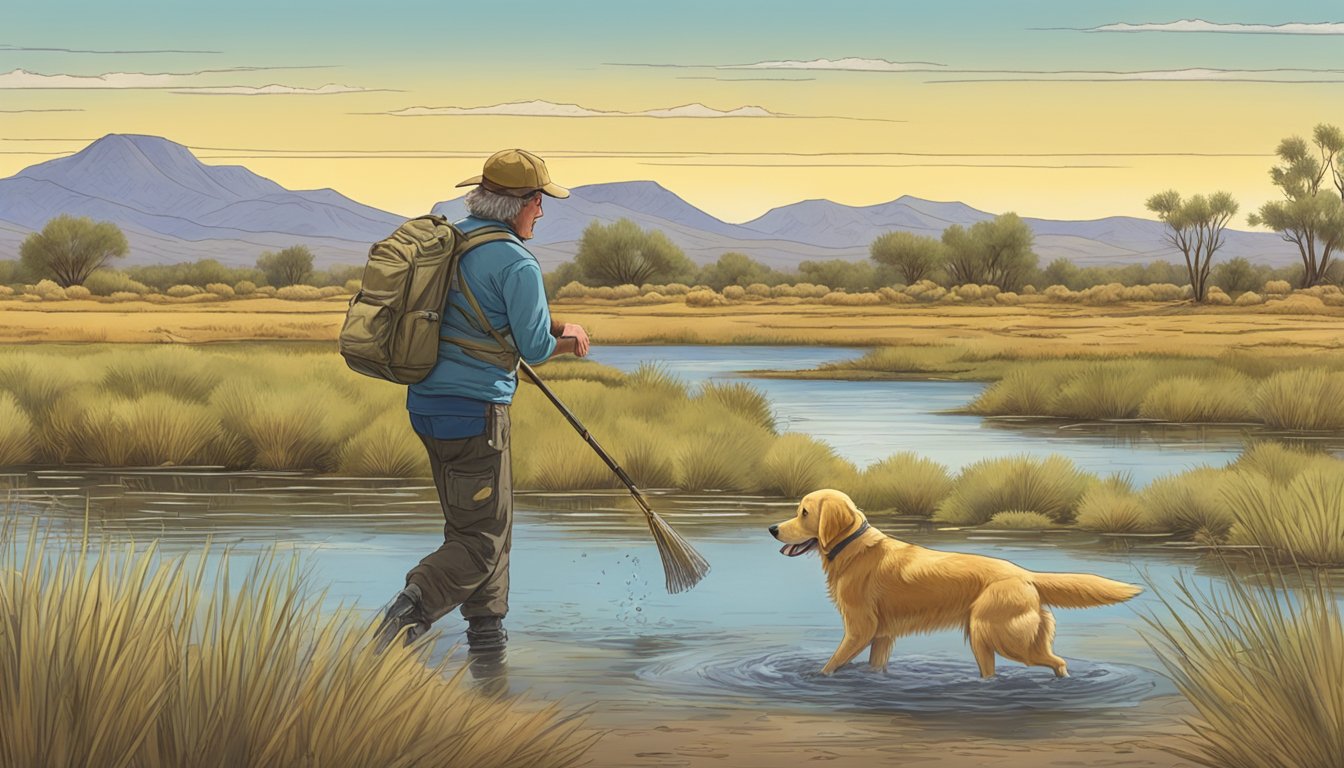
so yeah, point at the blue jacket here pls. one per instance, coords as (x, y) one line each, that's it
(506, 280)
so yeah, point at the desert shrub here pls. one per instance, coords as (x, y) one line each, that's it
(46, 290)
(905, 483)
(352, 286)
(1007, 298)
(1278, 288)
(759, 290)
(734, 292)
(1060, 293)
(1112, 506)
(245, 288)
(329, 291)
(1296, 304)
(1248, 299)
(1020, 521)
(968, 292)
(652, 297)
(1189, 504)
(703, 298)
(810, 290)
(222, 290)
(625, 291)
(894, 296)
(268, 291)
(1028, 290)
(1166, 291)
(120, 296)
(5, 290)
(1216, 296)
(299, 293)
(675, 289)
(105, 282)
(1138, 293)
(77, 292)
(840, 298)
(1052, 486)
(30, 297)
(183, 291)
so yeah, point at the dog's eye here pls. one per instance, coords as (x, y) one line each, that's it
(804, 513)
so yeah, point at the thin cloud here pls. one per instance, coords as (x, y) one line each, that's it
(276, 90)
(181, 82)
(851, 64)
(539, 108)
(21, 111)
(7, 47)
(1194, 74)
(1200, 25)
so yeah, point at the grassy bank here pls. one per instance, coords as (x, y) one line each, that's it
(133, 660)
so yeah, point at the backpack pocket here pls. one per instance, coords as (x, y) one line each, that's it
(367, 331)
(418, 340)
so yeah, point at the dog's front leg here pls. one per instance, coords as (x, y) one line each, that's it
(858, 635)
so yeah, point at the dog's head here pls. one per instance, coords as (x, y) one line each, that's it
(824, 518)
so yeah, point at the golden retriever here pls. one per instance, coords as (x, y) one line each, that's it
(886, 588)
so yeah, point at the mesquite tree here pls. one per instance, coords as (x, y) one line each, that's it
(1195, 227)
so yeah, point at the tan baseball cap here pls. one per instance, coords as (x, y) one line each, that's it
(516, 172)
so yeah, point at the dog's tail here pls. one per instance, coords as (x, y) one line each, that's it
(1081, 590)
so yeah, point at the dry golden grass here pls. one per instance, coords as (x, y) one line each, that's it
(111, 656)
(1263, 663)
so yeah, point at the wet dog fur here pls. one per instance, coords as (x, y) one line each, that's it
(886, 588)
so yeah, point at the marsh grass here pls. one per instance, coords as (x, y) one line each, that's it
(1192, 399)
(1306, 399)
(1051, 486)
(16, 432)
(154, 429)
(111, 656)
(1262, 663)
(1301, 519)
(797, 464)
(382, 450)
(1020, 521)
(906, 483)
(742, 399)
(1189, 504)
(1113, 506)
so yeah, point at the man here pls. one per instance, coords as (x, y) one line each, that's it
(461, 410)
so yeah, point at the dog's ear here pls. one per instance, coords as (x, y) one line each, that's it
(838, 516)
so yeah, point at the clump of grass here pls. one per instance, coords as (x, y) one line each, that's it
(1051, 486)
(185, 374)
(578, 368)
(155, 429)
(387, 447)
(1279, 462)
(16, 433)
(721, 460)
(1305, 399)
(1194, 399)
(906, 483)
(297, 427)
(1112, 506)
(1189, 504)
(1264, 666)
(646, 454)
(1020, 521)
(1299, 520)
(742, 399)
(134, 659)
(1021, 392)
(1105, 391)
(797, 464)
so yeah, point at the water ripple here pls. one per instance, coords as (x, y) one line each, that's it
(911, 684)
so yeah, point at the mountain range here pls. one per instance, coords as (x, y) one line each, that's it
(173, 207)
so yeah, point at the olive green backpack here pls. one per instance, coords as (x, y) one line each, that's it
(392, 327)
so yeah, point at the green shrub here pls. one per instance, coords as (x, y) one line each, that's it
(222, 290)
(183, 291)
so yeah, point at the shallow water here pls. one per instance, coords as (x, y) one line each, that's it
(590, 620)
(866, 421)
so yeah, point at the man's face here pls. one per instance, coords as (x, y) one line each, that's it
(527, 218)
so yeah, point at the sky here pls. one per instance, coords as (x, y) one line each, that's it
(1059, 110)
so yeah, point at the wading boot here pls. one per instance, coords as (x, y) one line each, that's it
(486, 640)
(403, 612)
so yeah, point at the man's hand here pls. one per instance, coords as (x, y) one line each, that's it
(580, 336)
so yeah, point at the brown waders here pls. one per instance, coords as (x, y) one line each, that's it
(475, 484)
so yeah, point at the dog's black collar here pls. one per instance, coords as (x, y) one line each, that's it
(845, 542)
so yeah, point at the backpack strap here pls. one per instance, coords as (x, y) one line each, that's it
(507, 350)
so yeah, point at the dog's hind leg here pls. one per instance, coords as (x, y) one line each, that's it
(1041, 652)
(880, 653)
(1004, 620)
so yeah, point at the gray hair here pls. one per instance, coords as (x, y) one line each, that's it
(484, 204)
